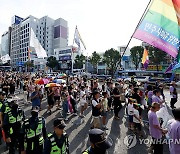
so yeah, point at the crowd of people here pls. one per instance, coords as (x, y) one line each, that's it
(74, 96)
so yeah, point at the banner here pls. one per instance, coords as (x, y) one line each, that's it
(34, 43)
(145, 59)
(160, 26)
(5, 58)
(78, 39)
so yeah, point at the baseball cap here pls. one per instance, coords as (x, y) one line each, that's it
(98, 137)
(2, 93)
(59, 123)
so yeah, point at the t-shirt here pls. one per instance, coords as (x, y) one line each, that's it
(130, 109)
(136, 112)
(172, 91)
(174, 134)
(36, 100)
(153, 120)
(94, 103)
(150, 94)
(156, 99)
(82, 95)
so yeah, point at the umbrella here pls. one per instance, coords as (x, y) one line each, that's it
(53, 85)
(59, 81)
(63, 75)
(42, 81)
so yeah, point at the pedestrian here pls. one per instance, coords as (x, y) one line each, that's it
(137, 120)
(96, 109)
(99, 142)
(64, 98)
(33, 134)
(110, 94)
(149, 95)
(155, 129)
(130, 110)
(12, 87)
(156, 97)
(104, 109)
(50, 99)
(12, 126)
(57, 97)
(117, 103)
(57, 143)
(174, 133)
(35, 98)
(83, 101)
(173, 94)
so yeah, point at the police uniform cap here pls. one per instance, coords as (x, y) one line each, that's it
(98, 137)
(59, 123)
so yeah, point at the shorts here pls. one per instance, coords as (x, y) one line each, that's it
(130, 118)
(83, 102)
(137, 126)
(104, 113)
(56, 98)
(96, 122)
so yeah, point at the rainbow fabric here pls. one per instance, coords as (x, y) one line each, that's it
(145, 59)
(160, 26)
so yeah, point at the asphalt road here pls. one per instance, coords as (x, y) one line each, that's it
(78, 133)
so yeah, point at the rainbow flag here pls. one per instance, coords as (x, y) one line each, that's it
(161, 26)
(145, 58)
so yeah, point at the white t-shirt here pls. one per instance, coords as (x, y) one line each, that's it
(94, 103)
(130, 109)
(82, 97)
(136, 112)
(105, 104)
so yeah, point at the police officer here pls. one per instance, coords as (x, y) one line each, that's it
(99, 142)
(2, 98)
(33, 134)
(57, 143)
(12, 126)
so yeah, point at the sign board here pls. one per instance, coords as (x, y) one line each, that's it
(16, 20)
(62, 58)
(20, 63)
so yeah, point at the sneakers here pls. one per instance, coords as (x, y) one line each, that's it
(75, 114)
(82, 116)
(117, 118)
(66, 119)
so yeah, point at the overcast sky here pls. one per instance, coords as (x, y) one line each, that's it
(103, 24)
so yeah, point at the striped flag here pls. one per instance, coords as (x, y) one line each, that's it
(145, 58)
(77, 38)
(161, 26)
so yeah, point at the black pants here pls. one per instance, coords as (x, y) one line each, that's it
(37, 149)
(110, 102)
(173, 101)
(157, 146)
(14, 143)
(117, 108)
(74, 106)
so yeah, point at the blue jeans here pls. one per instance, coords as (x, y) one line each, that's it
(65, 109)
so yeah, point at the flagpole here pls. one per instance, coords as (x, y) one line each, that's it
(72, 58)
(142, 17)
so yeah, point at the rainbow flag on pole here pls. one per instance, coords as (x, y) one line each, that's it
(145, 58)
(161, 26)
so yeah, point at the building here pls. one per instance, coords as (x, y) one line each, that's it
(65, 56)
(52, 34)
(6, 43)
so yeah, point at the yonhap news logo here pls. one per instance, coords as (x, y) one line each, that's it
(130, 141)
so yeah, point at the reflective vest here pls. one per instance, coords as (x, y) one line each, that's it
(7, 108)
(86, 151)
(1, 104)
(54, 148)
(13, 119)
(32, 133)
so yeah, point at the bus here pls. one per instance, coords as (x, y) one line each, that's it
(5, 68)
(152, 75)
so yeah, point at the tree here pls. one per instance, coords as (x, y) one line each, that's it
(136, 55)
(29, 64)
(95, 59)
(52, 62)
(79, 61)
(111, 59)
(156, 56)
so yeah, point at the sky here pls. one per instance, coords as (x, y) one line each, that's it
(103, 24)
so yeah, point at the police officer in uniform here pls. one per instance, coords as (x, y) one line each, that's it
(33, 134)
(99, 142)
(12, 126)
(57, 143)
(2, 98)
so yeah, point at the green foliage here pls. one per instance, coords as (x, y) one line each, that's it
(52, 62)
(111, 59)
(156, 56)
(79, 61)
(136, 55)
(29, 64)
(95, 59)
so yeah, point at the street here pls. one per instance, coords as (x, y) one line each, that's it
(78, 133)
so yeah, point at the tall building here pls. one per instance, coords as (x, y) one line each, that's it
(51, 34)
(6, 43)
